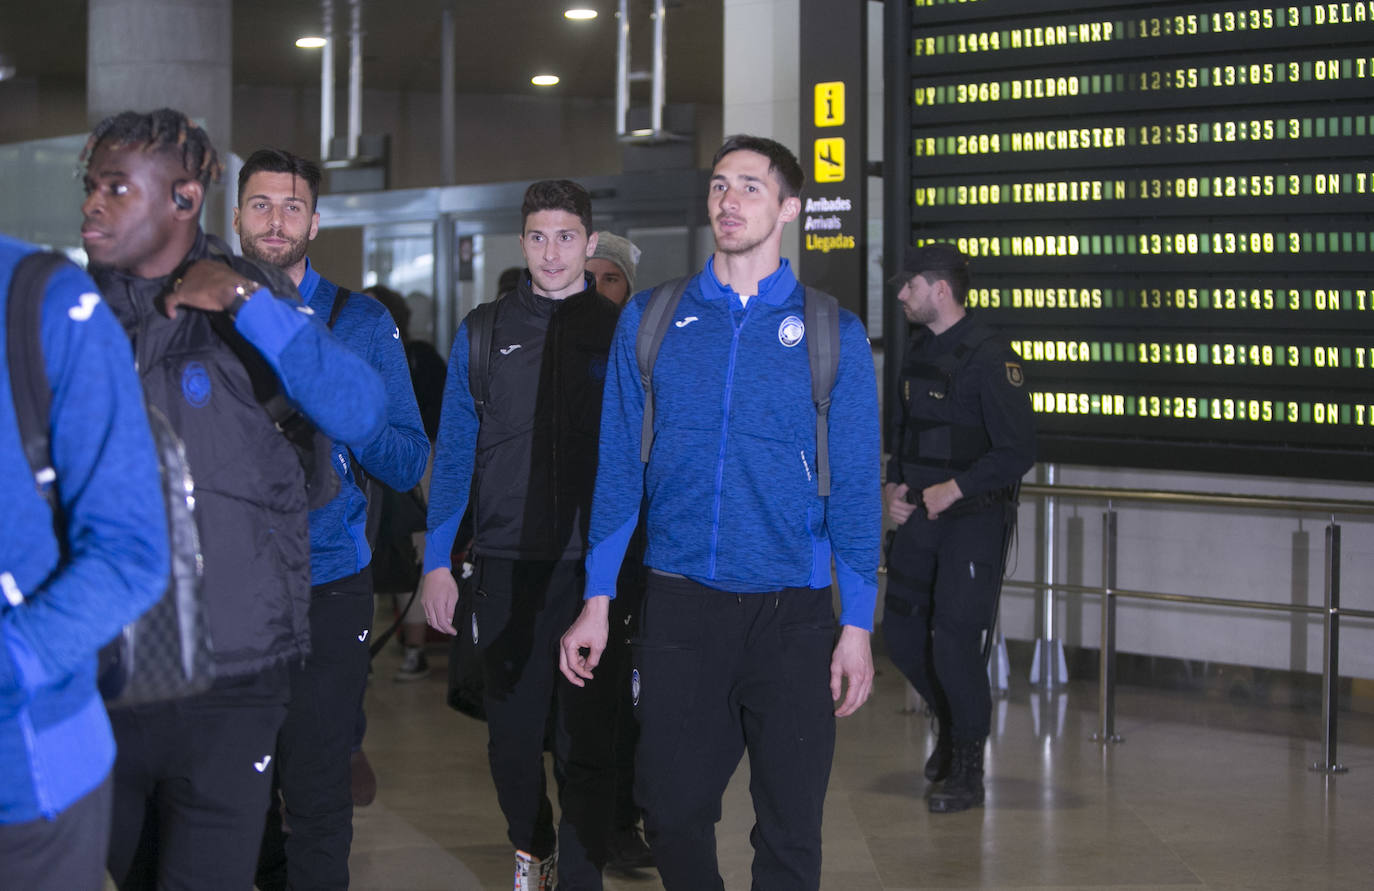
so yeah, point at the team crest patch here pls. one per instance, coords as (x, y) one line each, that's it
(791, 331)
(597, 369)
(1014, 375)
(195, 384)
(474, 629)
(634, 687)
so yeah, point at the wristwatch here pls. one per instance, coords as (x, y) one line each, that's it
(241, 294)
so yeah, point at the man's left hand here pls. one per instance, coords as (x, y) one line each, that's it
(851, 670)
(207, 285)
(940, 497)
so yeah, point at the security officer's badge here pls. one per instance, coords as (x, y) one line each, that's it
(1015, 377)
(634, 687)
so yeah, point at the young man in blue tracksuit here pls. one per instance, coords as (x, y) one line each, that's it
(56, 748)
(737, 646)
(276, 220)
(527, 455)
(209, 329)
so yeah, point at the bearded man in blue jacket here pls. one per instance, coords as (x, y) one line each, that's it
(68, 591)
(276, 219)
(738, 647)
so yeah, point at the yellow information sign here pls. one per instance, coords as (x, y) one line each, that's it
(830, 104)
(829, 167)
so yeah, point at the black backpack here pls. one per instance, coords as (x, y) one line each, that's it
(165, 653)
(822, 313)
(481, 327)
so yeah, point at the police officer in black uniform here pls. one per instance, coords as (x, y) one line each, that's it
(964, 436)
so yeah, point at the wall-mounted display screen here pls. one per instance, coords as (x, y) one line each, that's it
(1170, 212)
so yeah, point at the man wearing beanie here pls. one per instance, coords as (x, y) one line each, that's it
(614, 264)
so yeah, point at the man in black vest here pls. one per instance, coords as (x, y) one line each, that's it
(964, 436)
(527, 453)
(209, 330)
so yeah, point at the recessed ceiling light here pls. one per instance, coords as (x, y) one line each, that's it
(579, 15)
(310, 42)
(544, 80)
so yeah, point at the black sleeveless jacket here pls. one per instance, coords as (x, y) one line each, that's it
(537, 444)
(250, 487)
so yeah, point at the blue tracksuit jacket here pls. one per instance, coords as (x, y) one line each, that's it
(55, 740)
(731, 482)
(396, 455)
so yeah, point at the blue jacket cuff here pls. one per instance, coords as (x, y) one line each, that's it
(858, 597)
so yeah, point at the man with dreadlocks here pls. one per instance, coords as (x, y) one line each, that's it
(211, 334)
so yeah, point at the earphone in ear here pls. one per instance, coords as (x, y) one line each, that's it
(180, 200)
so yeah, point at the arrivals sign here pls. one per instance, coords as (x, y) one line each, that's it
(832, 152)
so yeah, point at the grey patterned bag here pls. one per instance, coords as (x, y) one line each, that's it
(166, 652)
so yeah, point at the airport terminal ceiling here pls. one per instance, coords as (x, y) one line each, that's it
(499, 43)
(1170, 207)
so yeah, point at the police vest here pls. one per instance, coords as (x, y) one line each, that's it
(941, 430)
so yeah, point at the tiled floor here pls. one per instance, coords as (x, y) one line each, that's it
(1204, 793)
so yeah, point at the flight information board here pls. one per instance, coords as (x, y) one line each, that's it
(1170, 212)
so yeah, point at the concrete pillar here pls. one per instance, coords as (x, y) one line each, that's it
(147, 54)
(761, 77)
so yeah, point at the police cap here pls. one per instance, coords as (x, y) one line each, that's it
(935, 257)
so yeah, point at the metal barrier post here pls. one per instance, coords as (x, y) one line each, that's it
(1048, 667)
(1106, 678)
(1331, 649)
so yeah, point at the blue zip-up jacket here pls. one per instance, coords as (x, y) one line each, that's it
(55, 739)
(731, 480)
(396, 456)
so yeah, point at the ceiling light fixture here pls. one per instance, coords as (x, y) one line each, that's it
(544, 80)
(579, 15)
(310, 42)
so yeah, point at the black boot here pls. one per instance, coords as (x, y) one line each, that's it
(964, 788)
(937, 765)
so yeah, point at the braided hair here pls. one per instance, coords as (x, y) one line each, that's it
(164, 130)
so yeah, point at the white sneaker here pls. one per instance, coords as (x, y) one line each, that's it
(414, 666)
(536, 875)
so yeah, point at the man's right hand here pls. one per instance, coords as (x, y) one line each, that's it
(587, 634)
(898, 508)
(439, 597)
(208, 285)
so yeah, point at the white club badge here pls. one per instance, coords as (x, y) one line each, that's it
(791, 331)
(634, 687)
(474, 629)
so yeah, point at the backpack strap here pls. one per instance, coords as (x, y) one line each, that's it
(481, 330)
(822, 313)
(336, 308)
(28, 373)
(653, 327)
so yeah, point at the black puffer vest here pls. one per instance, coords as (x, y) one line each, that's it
(537, 445)
(250, 488)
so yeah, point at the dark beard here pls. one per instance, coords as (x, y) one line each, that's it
(293, 255)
